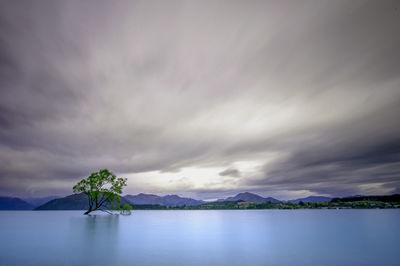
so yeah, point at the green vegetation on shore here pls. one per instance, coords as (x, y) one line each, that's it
(281, 205)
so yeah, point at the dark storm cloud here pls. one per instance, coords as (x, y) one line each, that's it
(311, 87)
(230, 172)
(339, 159)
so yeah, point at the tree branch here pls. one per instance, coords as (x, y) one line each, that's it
(106, 199)
(107, 212)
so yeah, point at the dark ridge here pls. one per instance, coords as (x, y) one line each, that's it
(169, 200)
(390, 198)
(72, 202)
(311, 199)
(250, 197)
(10, 203)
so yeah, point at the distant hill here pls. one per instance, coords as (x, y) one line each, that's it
(311, 199)
(144, 199)
(250, 197)
(36, 202)
(9, 203)
(72, 202)
(389, 198)
(169, 200)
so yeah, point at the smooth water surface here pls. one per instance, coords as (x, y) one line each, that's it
(220, 237)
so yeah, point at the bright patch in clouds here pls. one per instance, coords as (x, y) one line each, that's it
(192, 178)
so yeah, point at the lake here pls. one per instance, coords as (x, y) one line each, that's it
(217, 237)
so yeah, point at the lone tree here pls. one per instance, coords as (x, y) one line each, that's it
(102, 189)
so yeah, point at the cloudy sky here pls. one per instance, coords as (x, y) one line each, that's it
(201, 98)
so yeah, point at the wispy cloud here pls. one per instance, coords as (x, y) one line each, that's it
(308, 91)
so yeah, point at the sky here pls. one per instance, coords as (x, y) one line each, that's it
(203, 99)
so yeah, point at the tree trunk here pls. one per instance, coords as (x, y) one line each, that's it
(88, 211)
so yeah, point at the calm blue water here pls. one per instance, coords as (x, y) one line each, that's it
(248, 237)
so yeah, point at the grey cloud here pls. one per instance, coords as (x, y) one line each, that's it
(139, 86)
(230, 172)
(342, 157)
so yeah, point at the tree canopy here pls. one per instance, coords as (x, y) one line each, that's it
(102, 189)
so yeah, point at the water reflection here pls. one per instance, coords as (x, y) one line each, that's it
(97, 237)
(301, 237)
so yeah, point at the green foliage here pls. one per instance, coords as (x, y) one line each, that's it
(101, 188)
(126, 209)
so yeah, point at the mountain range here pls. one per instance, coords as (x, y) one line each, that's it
(169, 200)
(250, 197)
(9, 203)
(71, 202)
(311, 199)
(79, 201)
(36, 202)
